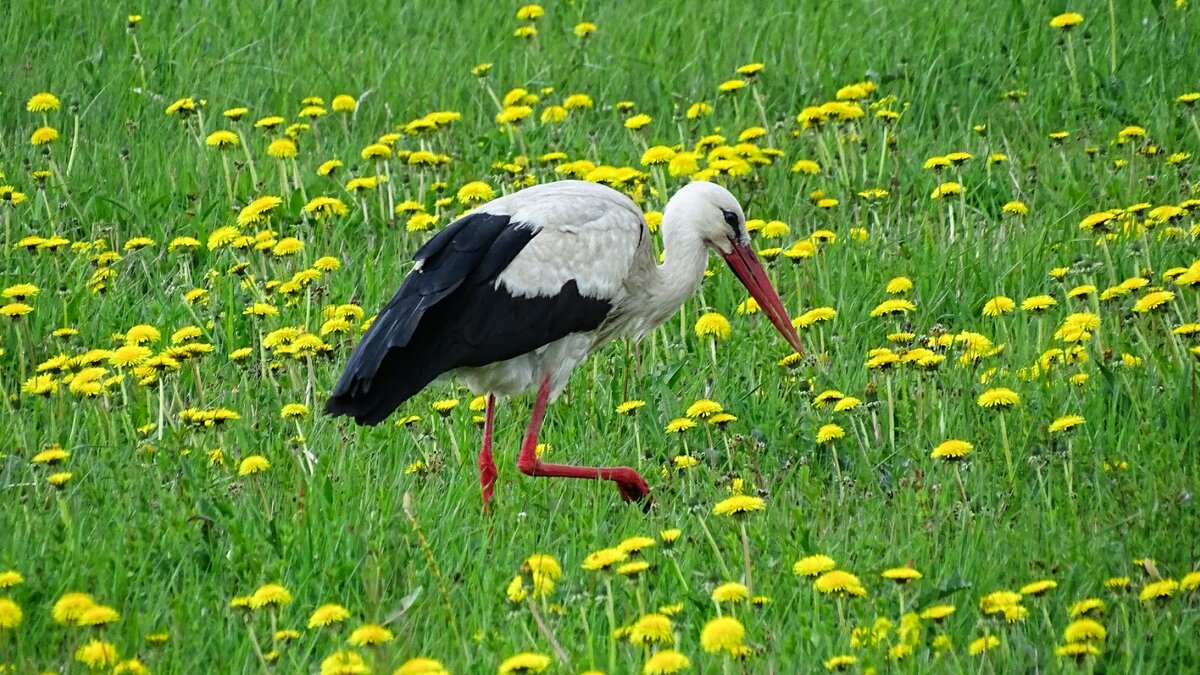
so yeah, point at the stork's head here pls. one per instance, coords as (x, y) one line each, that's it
(717, 218)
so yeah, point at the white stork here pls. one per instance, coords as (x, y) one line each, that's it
(521, 290)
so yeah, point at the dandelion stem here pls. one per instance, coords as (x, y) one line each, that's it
(611, 611)
(962, 491)
(837, 469)
(546, 632)
(716, 549)
(249, 161)
(746, 554)
(679, 574)
(1069, 54)
(228, 180)
(1008, 460)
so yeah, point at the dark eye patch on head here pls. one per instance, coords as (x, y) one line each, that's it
(731, 219)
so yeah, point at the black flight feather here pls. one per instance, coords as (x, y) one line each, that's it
(451, 314)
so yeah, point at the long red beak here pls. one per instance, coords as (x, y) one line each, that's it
(749, 271)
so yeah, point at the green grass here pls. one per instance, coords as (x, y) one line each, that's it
(150, 526)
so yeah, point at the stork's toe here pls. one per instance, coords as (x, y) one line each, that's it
(636, 492)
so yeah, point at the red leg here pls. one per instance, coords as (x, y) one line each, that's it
(632, 486)
(487, 465)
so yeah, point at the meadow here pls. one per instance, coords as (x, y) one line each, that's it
(982, 217)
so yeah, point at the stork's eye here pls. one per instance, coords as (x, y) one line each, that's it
(731, 219)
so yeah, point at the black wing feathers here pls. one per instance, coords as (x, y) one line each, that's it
(450, 314)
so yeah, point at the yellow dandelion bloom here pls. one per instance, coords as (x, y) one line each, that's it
(1066, 21)
(946, 189)
(983, 644)
(221, 139)
(42, 102)
(525, 662)
(1152, 301)
(637, 122)
(98, 615)
(282, 148)
(650, 629)
(839, 582)
(666, 662)
(344, 663)
(998, 397)
(841, 662)
(252, 465)
(604, 559)
(901, 575)
(739, 505)
(44, 135)
(813, 565)
(10, 614)
(731, 591)
(951, 450)
(97, 654)
(703, 408)
(893, 306)
(937, 612)
(328, 615)
(724, 634)
(830, 432)
(1158, 590)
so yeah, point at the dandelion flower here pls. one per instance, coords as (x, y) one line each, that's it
(11, 578)
(604, 559)
(730, 591)
(738, 505)
(1066, 21)
(951, 450)
(937, 612)
(525, 662)
(1158, 590)
(344, 663)
(10, 614)
(829, 432)
(713, 325)
(328, 615)
(841, 662)
(421, 666)
(1038, 587)
(983, 644)
(1152, 301)
(629, 407)
(998, 397)
(42, 102)
(652, 628)
(946, 189)
(636, 544)
(44, 135)
(1085, 630)
(722, 634)
(813, 565)
(97, 654)
(98, 615)
(71, 606)
(893, 306)
(666, 662)
(999, 305)
(252, 465)
(901, 575)
(704, 408)
(839, 581)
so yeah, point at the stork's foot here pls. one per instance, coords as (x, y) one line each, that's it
(636, 491)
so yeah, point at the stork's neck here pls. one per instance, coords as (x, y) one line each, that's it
(685, 258)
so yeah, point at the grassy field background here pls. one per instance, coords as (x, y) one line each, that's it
(156, 522)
